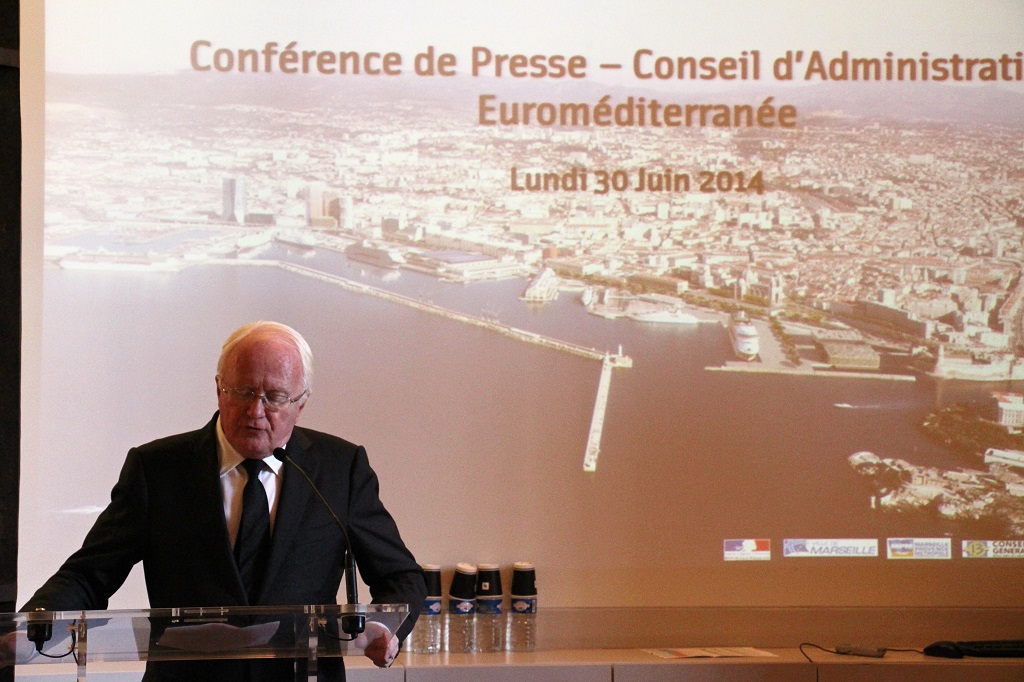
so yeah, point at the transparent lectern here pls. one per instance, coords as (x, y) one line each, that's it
(304, 634)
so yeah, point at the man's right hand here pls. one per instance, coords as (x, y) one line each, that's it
(8, 649)
(15, 649)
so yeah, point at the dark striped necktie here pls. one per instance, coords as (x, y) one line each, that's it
(253, 542)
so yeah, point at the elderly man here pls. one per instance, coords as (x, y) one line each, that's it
(182, 507)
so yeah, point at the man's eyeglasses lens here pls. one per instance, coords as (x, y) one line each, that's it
(275, 400)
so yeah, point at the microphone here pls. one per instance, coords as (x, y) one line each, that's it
(351, 624)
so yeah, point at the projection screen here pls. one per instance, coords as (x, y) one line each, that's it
(689, 303)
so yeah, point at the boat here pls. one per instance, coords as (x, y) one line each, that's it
(101, 259)
(587, 297)
(252, 241)
(745, 342)
(251, 244)
(379, 256)
(297, 239)
(666, 316)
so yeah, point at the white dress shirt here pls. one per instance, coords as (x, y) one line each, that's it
(233, 478)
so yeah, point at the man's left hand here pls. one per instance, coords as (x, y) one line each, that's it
(382, 648)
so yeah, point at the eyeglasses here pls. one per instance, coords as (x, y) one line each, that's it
(272, 402)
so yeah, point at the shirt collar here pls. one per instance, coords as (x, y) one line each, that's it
(229, 457)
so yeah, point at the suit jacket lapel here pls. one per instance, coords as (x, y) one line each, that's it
(210, 505)
(296, 494)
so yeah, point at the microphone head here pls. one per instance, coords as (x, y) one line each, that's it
(280, 454)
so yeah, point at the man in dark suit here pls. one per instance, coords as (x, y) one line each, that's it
(178, 508)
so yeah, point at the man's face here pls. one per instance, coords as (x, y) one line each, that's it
(265, 364)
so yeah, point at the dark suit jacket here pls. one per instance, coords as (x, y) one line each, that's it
(166, 510)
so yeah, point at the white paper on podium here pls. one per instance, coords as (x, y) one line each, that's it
(210, 637)
(712, 652)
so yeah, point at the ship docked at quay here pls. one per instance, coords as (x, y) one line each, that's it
(378, 256)
(296, 239)
(666, 316)
(743, 336)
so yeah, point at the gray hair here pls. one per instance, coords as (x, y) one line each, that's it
(282, 330)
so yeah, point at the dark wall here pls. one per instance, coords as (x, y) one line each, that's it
(10, 300)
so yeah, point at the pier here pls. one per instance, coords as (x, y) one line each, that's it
(808, 371)
(618, 359)
(597, 420)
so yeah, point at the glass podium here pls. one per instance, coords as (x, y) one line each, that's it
(304, 634)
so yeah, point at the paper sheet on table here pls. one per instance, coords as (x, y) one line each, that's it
(711, 652)
(208, 637)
